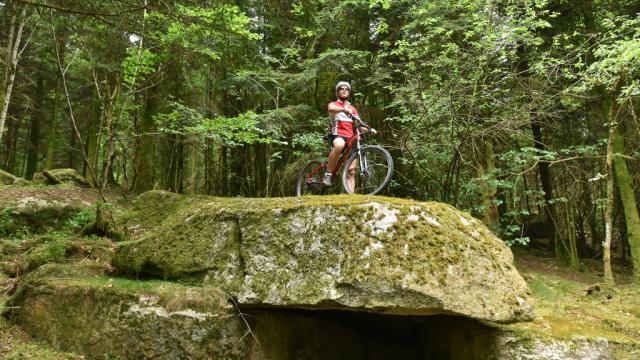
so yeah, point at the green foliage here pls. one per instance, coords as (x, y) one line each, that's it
(618, 55)
(80, 219)
(239, 91)
(241, 129)
(7, 222)
(208, 31)
(312, 141)
(49, 248)
(138, 63)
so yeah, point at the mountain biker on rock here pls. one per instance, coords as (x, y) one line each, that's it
(342, 114)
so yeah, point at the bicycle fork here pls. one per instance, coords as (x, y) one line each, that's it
(363, 160)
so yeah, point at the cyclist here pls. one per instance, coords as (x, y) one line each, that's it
(342, 114)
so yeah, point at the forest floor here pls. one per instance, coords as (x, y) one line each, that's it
(569, 303)
(572, 303)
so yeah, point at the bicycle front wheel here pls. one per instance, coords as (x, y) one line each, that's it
(310, 179)
(373, 171)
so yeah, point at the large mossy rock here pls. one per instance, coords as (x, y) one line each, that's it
(81, 310)
(77, 308)
(40, 214)
(9, 179)
(343, 252)
(60, 176)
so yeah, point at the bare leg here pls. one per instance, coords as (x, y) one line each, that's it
(351, 175)
(334, 155)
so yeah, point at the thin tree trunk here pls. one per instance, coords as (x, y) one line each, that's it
(70, 107)
(223, 172)
(485, 165)
(94, 126)
(606, 257)
(11, 144)
(34, 132)
(144, 162)
(547, 188)
(609, 114)
(193, 170)
(208, 167)
(11, 63)
(110, 127)
(51, 135)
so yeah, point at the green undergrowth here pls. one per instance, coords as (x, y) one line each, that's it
(172, 296)
(571, 304)
(14, 225)
(21, 256)
(15, 345)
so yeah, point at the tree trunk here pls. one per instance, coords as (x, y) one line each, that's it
(91, 134)
(51, 134)
(484, 160)
(34, 132)
(627, 195)
(547, 187)
(606, 257)
(222, 189)
(609, 115)
(208, 167)
(543, 166)
(111, 124)
(11, 62)
(144, 163)
(10, 147)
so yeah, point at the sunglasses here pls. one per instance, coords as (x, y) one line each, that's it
(343, 88)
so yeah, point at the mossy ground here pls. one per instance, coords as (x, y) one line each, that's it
(571, 304)
(16, 344)
(24, 247)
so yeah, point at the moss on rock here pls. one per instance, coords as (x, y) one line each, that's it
(17, 259)
(350, 252)
(57, 176)
(103, 317)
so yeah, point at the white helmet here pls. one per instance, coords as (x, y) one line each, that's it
(343, 83)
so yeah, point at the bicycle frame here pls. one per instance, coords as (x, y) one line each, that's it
(346, 152)
(349, 148)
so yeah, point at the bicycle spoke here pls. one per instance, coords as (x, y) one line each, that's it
(310, 180)
(373, 171)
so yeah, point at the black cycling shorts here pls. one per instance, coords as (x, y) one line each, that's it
(333, 137)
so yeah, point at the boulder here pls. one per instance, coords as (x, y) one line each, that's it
(358, 253)
(86, 312)
(43, 214)
(59, 176)
(77, 308)
(9, 179)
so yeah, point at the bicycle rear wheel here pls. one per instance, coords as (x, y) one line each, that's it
(310, 179)
(372, 174)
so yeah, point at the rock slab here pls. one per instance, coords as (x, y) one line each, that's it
(371, 254)
(115, 318)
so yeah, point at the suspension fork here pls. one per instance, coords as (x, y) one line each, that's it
(364, 166)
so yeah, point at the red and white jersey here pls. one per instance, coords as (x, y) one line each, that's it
(342, 124)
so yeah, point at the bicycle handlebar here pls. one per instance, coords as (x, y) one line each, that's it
(364, 124)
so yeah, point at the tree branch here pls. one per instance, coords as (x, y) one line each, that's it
(78, 12)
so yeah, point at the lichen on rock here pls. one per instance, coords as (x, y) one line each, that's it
(337, 252)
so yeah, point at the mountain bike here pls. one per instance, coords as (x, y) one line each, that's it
(373, 171)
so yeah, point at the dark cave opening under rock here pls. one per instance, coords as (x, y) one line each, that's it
(337, 334)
